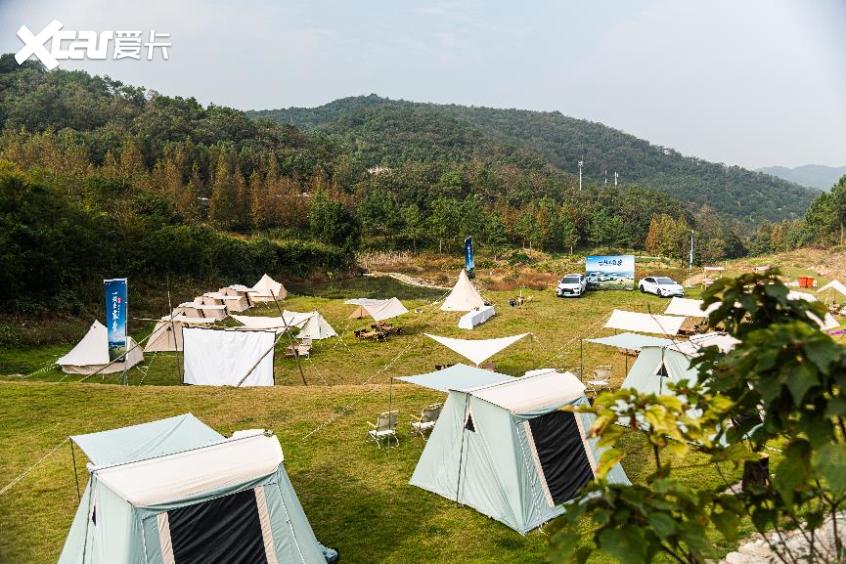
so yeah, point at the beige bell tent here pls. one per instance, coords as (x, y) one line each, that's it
(91, 354)
(237, 290)
(311, 325)
(194, 309)
(167, 335)
(267, 289)
(463, 297)
(232, 303)
(379, 310)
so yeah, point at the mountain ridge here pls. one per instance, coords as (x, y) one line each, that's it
(822, 177)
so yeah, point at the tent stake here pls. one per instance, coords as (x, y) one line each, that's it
(75, 473)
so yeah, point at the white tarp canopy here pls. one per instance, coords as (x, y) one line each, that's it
(688, 307)
(379, 310)
(644, 322)
(477, 350)
(91, 354)
(266, 289)
(217, 357)
(464, 296)
(167, 334)
(312, 325)
(835, 285)
(827, 323)
(696, 343)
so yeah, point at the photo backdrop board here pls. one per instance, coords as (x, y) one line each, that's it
(216, 357)
(610, 272)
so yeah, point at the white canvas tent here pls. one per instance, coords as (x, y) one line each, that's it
(167, 334)
(312, 325)
(175, 490)
(218, 357)
(688, 307)
(379, 310)
(508, 450)
(645, 322)
(266, 289)
(237, 290)
(91, 354)
(233, 303)
(827, 323)
(194, 309)
(477, 351)
(463, 297)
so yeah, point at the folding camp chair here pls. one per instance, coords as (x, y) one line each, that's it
(384, 429)
(601, 375)
(426, 422)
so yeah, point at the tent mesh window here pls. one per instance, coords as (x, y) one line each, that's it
(562, 455)
(222, 530)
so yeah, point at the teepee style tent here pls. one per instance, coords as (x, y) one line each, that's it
(644, 322)
(312, 325)
(175, 491)
(508, 451)
(315, 328)
(267, 289)
(463, 296)
(167, 334)
(379, 310)
(477, 350)
(91, 354)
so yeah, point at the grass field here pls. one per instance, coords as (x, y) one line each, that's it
(356, 496)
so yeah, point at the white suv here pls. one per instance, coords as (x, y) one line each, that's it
(572, 285)
(661, 286)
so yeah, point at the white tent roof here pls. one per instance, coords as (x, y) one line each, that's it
(92, 349)
(692, 347)
(379, 310)
(477, 350)
(198, 305)
(645, 322)
(182, 475)
(827, 323)
(464, 296)
(535, 391)
(316, 327)
(688, 307)
(835, 285)
(797, 295)
(312, 325)
(267, 287)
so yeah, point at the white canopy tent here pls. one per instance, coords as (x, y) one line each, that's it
(464, 296)
(835, 285)
(688, 307)
(312, 325)
(477, 351)
(644, 322)
(266, 289)
(91, 354)
(217, 357)
(379, 310)
(827, 323)
(167, 334)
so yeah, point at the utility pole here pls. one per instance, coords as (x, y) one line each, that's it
(616, 177)
(581, 163)
(690, 264)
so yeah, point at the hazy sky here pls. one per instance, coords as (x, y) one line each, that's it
(750, 82)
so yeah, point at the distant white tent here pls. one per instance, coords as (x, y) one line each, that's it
(233, 303)
(379, 310)
(91, 354)
(463, 297)
(477, 351)
(827, 323)
(312, 325)
(194, 309)
(835, 285)
(167, 334)
(644, 322)
(266, 289)
(217, 357)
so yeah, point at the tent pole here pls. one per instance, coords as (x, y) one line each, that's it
(461, 451)
(75, 473)
(285, 324)
(173, 330)
(581, 359)
(390, 393)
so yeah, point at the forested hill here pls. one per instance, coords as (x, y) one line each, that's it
(392, 132)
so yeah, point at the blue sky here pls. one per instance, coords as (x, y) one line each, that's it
(751, 82)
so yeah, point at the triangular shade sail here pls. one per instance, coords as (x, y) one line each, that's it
(464, 296)
(477, 350)
(644, 322)
(379, 310)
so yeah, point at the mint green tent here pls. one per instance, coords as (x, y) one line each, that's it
(175, 491)
(507, 450)
(655, 367)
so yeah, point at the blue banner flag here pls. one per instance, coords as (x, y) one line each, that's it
(115, 292)
(469, 261)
